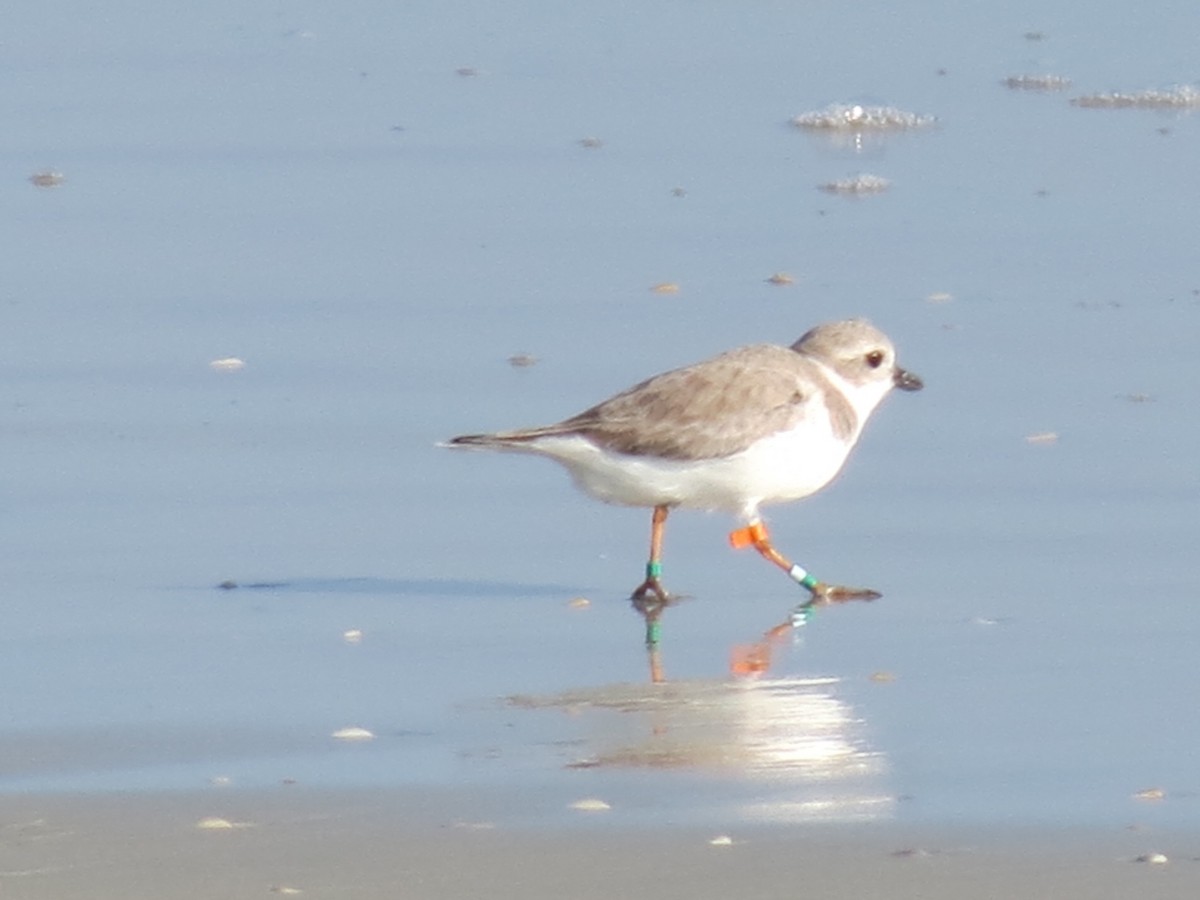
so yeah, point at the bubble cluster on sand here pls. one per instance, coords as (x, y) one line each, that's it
(858, 185)
(843, 117)
(1037, 82)
(1182, 97)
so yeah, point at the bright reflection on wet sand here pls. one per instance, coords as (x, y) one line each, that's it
(793, 733)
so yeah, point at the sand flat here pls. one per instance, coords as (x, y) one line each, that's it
(293, 842)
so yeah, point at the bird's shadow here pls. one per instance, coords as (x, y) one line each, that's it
(402, 587)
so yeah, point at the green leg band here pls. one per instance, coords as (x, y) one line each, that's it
(802, 577)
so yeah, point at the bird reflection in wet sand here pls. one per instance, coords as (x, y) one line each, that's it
(745, 660)
(795, 734)
(757, 425)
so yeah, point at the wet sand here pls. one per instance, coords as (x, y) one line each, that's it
(452, 844)
(262, 257)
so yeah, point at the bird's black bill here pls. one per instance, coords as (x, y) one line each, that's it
(907, 381)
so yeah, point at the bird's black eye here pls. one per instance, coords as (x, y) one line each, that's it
(875, 359)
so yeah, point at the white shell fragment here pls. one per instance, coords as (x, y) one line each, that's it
(721, 840)
(522, 360)
(352, 635)
(852, 117)
(227, 364)
(1042, 437)
(216, 823)
(352, 734)
(591, 804)
(1154, 859)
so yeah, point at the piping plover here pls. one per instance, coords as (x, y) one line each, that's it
(756, 425)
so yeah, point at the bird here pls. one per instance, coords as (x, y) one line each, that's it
(757, 425)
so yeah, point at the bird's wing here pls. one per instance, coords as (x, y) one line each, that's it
(711, 409)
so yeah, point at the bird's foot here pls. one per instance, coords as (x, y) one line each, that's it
(649, 600)
(650, 593)
(823, 593)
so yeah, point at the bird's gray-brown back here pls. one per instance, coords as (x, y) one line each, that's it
(713, 408)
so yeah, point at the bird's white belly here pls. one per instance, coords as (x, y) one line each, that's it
(785, 466)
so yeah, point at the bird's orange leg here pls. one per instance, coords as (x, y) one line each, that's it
(756, 535)
(650, 598)
(755, 659)
(652, 587)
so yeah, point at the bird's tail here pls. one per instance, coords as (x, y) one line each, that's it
(500, 440)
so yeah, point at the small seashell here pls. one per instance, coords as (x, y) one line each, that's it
(591, 804)
(665, 287)
(227, 364)
(882, 677)
(284, 889)
(1042, 437)
(216, 823)
(721, 840)
(1155, 859)
(1150, 794)
(47, 178)
(579, 603)
(352, 734)
(781, 278)
(352, 635)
